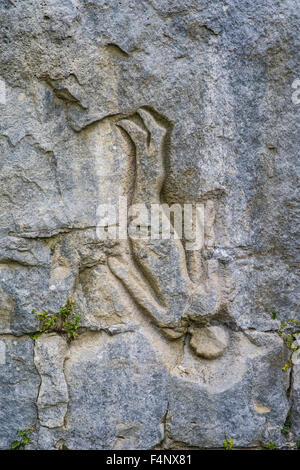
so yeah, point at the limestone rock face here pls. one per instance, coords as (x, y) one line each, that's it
(50, 354)
(209, 342)
(295, 394)
(118, 108)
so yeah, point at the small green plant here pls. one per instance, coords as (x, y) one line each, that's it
(271, 446)
(288, 331)
(298, 445)
(285, 431)
(52, 247)
(228, 443)
(23, 434)
(64, 322)
(35, 335)
(287, 425)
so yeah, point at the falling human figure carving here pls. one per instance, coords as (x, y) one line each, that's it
(154, 271)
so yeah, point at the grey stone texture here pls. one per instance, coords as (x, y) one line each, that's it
(161, 101)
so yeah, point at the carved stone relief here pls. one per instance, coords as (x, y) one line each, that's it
(152, 109)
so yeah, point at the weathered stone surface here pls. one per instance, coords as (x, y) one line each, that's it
(50, 353)
(295, 395)
(241, 394)
(117, 393)
(161, 101)
(209, 342)
(19, 385)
